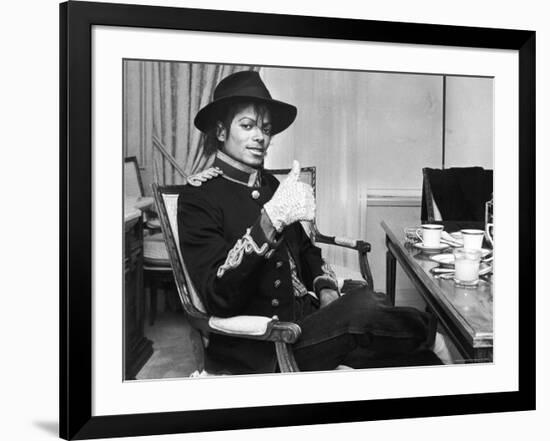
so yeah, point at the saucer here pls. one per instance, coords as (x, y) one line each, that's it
(426, 249)
(484, 252)
(447, 260)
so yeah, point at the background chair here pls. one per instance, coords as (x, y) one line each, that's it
(282, 334)
(456, 194)
(135, 195)
(156, 263)
(344, 275)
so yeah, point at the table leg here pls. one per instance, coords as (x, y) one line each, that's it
(390, 276)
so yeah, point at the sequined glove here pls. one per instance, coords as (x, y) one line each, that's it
(292, 202)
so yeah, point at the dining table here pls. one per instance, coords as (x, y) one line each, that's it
(464, 313)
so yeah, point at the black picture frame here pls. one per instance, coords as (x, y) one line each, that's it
(76, 21)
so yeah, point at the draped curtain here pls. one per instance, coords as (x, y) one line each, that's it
(160, 102)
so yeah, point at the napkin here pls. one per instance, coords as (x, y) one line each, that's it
(446, 237)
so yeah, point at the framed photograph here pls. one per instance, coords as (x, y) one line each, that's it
(394, 126)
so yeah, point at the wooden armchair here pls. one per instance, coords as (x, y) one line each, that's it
(282, 334)
(308, 175)
(134, 193)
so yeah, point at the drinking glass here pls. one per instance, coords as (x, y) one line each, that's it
(466, 266)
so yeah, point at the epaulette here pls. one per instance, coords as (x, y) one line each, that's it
(197, 179)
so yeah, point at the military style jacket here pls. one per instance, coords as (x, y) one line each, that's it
(238, 264)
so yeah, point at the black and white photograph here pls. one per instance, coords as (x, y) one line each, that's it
(282, 219)
(274, 220)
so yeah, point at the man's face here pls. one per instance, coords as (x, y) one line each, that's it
(248, 137)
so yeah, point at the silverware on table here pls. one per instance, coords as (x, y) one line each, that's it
(448, 273)
(440, 270)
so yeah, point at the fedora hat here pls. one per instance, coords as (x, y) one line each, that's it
(244, 86)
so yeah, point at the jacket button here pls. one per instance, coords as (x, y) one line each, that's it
(279, 264)
(277, 283)
(255, 194)
(275, 303)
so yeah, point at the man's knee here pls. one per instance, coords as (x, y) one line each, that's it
(324, 354)
(364, 297)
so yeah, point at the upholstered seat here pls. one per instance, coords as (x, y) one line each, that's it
(155, 252)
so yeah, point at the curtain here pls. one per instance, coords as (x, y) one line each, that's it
(161, 100)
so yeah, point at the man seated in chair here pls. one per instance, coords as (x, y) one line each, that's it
(247, 253)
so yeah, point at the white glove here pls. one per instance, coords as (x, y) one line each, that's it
(293, 201)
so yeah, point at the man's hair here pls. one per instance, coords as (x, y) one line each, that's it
(225, 116)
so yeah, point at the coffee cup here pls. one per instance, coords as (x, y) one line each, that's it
(431, 235)
(472, 239)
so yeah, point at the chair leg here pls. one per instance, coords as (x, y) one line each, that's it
(285, 357)
(152, 301)
(171, 301)
(390, 276)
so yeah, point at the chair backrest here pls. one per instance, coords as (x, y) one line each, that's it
(166, 199)
(459, 193)
(307, 175)
(429, 211)
(133, 187)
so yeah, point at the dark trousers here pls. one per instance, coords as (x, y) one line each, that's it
(361, 329)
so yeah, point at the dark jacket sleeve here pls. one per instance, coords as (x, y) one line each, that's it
(220, 271)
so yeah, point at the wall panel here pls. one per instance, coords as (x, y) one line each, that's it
(469, 122)
(404, 126)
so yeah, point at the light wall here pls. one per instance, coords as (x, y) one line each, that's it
(469, 122)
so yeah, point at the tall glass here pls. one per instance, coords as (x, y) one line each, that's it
(466, 266)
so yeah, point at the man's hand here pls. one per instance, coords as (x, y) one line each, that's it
(327, 296)
(293, 201)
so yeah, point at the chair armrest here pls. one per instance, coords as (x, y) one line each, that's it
(255, 327)
(354, 244)
(360, 246)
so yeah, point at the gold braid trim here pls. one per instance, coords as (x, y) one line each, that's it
(235, 256)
